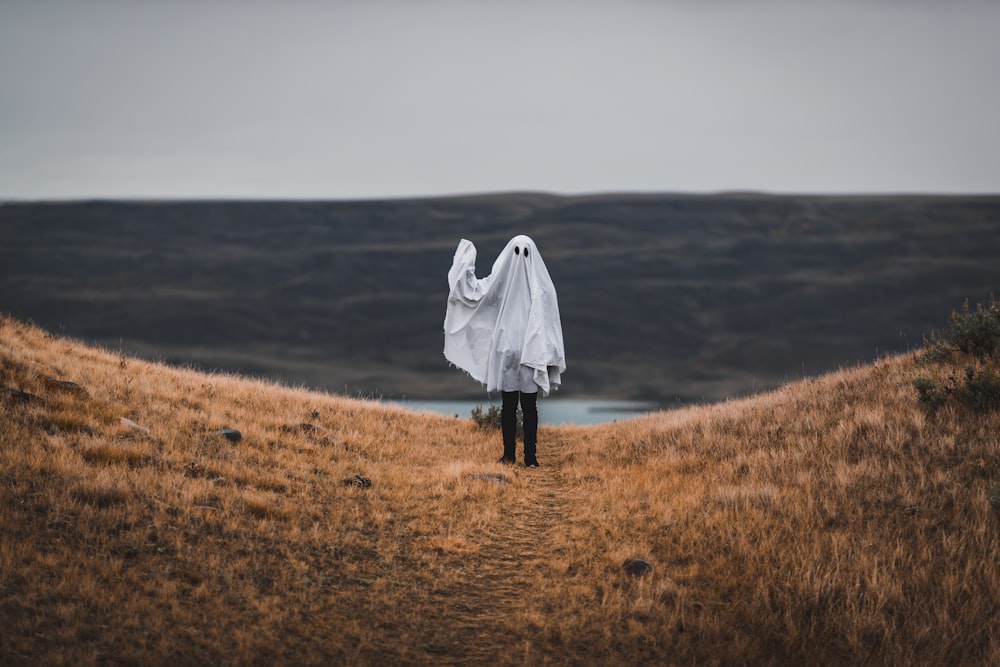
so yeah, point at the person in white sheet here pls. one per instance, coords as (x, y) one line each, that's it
(504, 331)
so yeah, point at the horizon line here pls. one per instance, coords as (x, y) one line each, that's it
(484, 194)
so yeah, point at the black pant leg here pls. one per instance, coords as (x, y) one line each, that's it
(508, 423)
(529, 413)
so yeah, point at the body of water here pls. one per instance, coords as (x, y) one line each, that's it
(550, 410)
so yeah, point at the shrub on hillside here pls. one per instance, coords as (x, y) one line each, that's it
(972, 337)
(930, 392)
(486, 420)
(489, 420)
(978, 332)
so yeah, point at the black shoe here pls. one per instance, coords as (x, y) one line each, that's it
(506, 461)
(531, 463)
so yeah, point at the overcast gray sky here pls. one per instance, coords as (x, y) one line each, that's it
(217, 98)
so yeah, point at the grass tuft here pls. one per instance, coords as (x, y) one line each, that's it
(964, 362)
(111, 455)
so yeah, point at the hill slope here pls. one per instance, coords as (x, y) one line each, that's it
(662, 297)
(829, 522)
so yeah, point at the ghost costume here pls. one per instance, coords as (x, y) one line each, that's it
(504, 329)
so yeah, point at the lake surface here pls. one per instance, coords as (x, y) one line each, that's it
(550, 410)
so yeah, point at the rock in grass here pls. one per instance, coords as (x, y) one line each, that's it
(205, 509)
(64, 386)
(231, 434)
(358, 481)
(131, 424)
(636, 567)
(18, 396)
(491, 477)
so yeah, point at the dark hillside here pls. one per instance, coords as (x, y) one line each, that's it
(662, 296)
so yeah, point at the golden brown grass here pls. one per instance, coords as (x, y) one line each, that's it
(829, 522)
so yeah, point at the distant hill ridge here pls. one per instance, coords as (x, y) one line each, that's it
(669, 297)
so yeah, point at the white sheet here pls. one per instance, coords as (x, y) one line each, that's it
(504, 329)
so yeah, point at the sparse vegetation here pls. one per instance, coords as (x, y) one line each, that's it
(489, 420)
(976, 332)
(972, 339)
(832, 521)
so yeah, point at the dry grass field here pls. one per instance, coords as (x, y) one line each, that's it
(832, 521)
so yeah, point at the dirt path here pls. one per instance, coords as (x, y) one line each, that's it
(499, 588)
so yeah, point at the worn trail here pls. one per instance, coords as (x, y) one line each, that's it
(515, 553)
